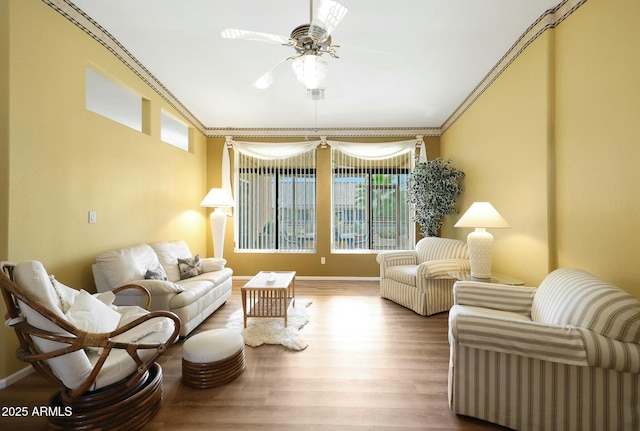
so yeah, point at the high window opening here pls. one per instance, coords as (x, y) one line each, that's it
(174, 131)
(111, 100)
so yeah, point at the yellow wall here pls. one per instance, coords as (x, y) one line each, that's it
(7, 355)
(500, 144)
(598, 141)
(554, 144)
(65, 160)
(351, 265)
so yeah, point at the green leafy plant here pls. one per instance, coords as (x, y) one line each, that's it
(432, 192)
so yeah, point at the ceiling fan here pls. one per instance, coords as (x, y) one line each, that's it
(310, 42)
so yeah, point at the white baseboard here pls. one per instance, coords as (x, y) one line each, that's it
(16, 376)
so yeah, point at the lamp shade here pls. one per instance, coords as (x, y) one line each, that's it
(217, 198)
(311, 70)
(483, 215)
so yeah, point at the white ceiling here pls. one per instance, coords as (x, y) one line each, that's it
(403, 63)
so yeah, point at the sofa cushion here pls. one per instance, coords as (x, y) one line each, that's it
(126, 264)
(574, 297)
(168, 253)
(403, 273)
(194, 289)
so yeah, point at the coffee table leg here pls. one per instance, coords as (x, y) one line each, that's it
(244, 306)
(293, 290)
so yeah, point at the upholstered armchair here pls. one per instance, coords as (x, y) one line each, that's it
(563, 356)
(101, 356)
(419, 279)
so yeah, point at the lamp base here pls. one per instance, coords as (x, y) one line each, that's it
(218, 221)
(480, 243)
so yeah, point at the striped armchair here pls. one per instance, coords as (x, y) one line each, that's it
(564, 356)
(418, 279)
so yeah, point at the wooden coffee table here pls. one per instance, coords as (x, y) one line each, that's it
(269, 294)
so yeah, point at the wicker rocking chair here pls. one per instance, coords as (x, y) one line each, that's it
(108, 379)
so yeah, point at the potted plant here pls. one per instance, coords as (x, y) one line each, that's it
(432, 192)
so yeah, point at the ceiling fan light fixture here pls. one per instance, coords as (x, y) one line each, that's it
(311, 70)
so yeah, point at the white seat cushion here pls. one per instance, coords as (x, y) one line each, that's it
(211, 346)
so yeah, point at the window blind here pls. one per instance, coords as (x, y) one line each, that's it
(276, 203)
(370, 209)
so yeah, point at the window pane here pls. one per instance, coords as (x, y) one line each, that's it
(369, 203)
(277, 203)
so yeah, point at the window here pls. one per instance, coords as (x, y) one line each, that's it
(174, 131)
(276, 203)
(113, 101)
(370, 209)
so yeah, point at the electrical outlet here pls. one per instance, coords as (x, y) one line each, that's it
(323, 260)
(92, 217)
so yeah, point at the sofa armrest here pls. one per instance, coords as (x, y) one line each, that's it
(153, 287)
(441, 268)
(606, 352)
(212, 264)
(139, 290)
(396, 257)
(485, 329)
(516, 299)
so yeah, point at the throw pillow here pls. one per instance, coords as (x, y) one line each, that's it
(92, 315)
(189, 267)
(155, 274)
(66, 294)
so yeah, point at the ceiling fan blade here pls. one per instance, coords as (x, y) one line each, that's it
(265, 81)
(234, 33)
(325, 18)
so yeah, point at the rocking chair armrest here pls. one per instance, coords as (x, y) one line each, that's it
(75, 341)
(142, 289)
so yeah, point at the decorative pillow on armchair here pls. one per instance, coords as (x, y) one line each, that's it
(190, 267)
(92, 315)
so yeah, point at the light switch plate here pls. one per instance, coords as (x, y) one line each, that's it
(92, 217)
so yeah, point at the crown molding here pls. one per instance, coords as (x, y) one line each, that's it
(550, 19)
(361, 132)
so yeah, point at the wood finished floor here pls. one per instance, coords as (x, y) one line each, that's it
(371, 365)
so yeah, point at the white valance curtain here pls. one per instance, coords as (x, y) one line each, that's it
(373, 150)
(281, 150)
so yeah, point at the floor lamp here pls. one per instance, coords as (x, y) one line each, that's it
(218, 199)
(481, 215)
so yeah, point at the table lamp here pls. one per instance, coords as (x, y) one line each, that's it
(481, 215)
(217, 198)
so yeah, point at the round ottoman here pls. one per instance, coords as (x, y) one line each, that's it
(212, 358)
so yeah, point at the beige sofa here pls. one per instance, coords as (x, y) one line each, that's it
(193, 295)
(563, 356)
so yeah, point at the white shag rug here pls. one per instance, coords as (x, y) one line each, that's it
(271, 330)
